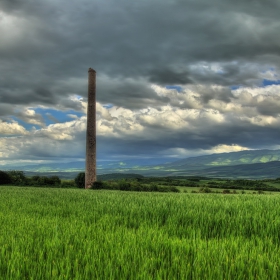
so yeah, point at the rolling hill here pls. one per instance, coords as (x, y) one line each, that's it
(244, 164)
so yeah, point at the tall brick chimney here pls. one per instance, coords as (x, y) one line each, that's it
(90, 174)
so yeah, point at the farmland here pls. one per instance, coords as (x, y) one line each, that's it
(98, 234)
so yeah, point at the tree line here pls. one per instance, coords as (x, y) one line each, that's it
(134, 182)
(127, 184)
(18, 178)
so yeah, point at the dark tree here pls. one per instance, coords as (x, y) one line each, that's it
(4, 178)
(17, 177)
(80, 180)
(97, 185)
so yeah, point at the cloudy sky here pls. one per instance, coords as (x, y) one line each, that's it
(175, 78)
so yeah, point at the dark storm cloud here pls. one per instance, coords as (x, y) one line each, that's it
(270, 106)
(169, 77)
(208, 93)
(5, 110)
(39, 96)
(230, 73)
(243, 135)
(47, 47)
(70, 104)
(153, 40)
(10, 5)
(128, 93)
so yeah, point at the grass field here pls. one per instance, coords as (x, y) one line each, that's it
(85, 234)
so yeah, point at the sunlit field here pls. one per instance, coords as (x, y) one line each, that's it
(88, 234)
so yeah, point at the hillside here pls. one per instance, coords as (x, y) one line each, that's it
(226, 159)
(246, 171)
(244, 164)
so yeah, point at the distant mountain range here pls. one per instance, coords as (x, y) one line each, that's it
(244, 164)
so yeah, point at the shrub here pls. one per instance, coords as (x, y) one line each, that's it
(162, 189)
(111, 185)
(68, 184)
(17, 177)
(80, 180)
(4, 178)
(43, 180)
(194, 179)
(97, 185)
(54, 180)
(226, 191)
(173, 189)
(154, 188)
(35, 178)
(124, 186)
(136, 188)
(205, 190)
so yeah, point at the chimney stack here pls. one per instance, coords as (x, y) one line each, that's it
(90, 174)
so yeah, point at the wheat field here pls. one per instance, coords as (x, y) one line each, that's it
(85, 234)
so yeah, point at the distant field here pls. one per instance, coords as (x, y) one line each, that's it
(85, 234)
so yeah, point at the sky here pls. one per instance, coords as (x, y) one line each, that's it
(175, 78)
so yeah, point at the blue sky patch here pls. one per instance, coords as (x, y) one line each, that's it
(178, 88)
(51, 116)
(235, 87)
(27, 126)
(270, 82)
(78, 97)
(108, 106)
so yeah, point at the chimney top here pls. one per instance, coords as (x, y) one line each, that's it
(91, 70)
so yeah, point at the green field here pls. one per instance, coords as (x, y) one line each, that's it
(85, 234)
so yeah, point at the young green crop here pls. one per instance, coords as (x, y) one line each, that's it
(79, 234)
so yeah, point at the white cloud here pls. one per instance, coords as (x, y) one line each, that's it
(203, 122)
(63, 131)
(221, 148)
(29, 115)
(12, 128)
(12, 147)
(118, 122)
(34, 147)
(258, 91)
(72, 116)
(270, 74)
